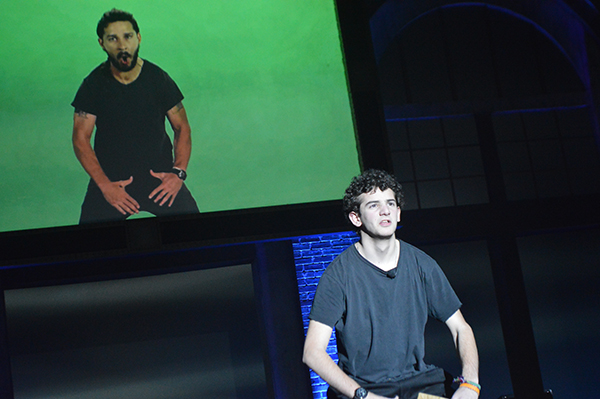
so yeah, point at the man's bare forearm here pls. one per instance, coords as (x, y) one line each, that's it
(467, 352)
(83, 125)
(322, 364)
(182, 144)
(182, 136)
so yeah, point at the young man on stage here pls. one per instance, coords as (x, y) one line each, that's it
(378, 295)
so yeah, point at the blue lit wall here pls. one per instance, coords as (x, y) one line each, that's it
(312, 255)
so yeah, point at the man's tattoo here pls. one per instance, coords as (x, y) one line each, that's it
(179, 106)
(81, 114)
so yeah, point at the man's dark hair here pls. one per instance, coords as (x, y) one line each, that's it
(115, 15)
(367, 182)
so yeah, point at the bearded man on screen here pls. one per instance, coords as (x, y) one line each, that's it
(133, 166)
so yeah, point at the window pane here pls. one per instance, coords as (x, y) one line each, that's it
(398, 135)
(411, 199)
(514, 157)
(425, 133)
(546, 155)
(508, 127)
(403, 169)
(431, 164)
(470, 191)
(540, 125)
(435, 194)
(465, 161)
(460, 131)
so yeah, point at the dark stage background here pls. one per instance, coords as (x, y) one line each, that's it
(488, 114)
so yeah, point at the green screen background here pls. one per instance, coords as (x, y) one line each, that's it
(265, 92)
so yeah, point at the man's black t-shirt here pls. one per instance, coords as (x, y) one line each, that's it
(130, 136)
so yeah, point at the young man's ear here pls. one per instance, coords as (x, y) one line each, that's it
(355, 219)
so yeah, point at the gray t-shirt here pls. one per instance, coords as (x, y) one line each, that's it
(379, 320)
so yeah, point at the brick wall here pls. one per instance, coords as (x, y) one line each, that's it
(312, 255)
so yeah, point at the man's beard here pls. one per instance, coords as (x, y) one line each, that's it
(124, 67)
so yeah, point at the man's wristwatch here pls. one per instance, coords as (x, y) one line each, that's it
(360, 393)
(180, 173)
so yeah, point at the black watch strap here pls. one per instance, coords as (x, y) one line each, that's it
(180, 173)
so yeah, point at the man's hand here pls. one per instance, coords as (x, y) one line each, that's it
(168, 189)
(115, 194)
(465, 393)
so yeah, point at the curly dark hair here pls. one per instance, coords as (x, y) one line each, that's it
(115, 15)
(366, 183)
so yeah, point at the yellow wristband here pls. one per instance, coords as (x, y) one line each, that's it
(470, 386)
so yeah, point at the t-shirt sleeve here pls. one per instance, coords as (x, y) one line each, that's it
(85, 98)
(442, 301)
(171, 95)
(328, 304)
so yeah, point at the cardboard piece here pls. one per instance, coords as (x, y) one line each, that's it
(427, 396)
